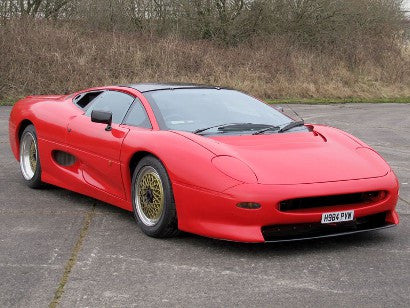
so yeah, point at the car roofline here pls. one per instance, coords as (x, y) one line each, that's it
(151, 87)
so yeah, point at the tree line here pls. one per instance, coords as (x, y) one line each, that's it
(319, 23)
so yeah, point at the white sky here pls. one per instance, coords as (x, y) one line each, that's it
(406, 5)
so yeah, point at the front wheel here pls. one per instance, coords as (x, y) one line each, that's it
(29, 158)
(153, 200)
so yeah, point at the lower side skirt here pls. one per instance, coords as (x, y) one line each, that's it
(297, 232)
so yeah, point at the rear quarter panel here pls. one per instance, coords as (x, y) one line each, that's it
(49, 115)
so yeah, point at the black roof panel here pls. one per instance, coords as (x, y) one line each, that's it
(145, 87)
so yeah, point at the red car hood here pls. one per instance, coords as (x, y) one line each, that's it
(323, 155)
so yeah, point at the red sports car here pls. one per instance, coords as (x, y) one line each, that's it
(206, 160)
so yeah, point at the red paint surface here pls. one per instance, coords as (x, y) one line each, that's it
(209, 175)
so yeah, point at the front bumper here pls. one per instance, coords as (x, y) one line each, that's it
(216, 215)
(296, 232)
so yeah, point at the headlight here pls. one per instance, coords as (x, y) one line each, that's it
(234, 168)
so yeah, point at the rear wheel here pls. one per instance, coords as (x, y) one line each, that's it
(153, 200)
(29, 158)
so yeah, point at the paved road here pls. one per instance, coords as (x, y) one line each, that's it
(115, 265)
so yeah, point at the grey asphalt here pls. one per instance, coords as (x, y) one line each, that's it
(59, 246)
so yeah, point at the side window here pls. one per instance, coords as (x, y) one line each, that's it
(137, 116)
(84, 99)
(116, 102)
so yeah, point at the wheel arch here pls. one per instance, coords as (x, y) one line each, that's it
(136, 158)
(23, 124)
(16, 136)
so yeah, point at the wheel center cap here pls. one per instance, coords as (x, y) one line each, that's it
(149, 195)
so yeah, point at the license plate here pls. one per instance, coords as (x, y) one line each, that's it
(337, 217)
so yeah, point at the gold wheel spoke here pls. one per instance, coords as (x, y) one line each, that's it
(150, 195)
(32, 156)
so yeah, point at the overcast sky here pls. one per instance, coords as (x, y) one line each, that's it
(406, 5)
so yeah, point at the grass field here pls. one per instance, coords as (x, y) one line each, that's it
(8, 102)
(78, 58)
(323, 101)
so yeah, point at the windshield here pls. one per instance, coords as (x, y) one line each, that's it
(195, 109)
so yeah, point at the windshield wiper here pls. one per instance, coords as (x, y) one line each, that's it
(291, 125)
(271, 127)
(281, 130)
(200, 130)
(234, 127)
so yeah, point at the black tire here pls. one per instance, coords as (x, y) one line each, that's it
(167, 225)
(35, 180)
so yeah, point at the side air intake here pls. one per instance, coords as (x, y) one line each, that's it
(63, 158)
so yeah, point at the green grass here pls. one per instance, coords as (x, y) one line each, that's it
(8, 101)
(322, 101)
(73, 258)
(311, 101)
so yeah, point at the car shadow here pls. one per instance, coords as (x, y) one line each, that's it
(293, 247)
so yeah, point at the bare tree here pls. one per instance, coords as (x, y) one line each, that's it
(33, 8)
(315, 23)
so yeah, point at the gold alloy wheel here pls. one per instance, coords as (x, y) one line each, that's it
(149, 196)
(28, 156)
(33, 156)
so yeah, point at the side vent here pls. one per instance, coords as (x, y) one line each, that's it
(63, 158)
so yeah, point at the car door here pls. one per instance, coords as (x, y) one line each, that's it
(99, 150)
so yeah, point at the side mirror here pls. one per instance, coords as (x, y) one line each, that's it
(104, 117)
(280, 108)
